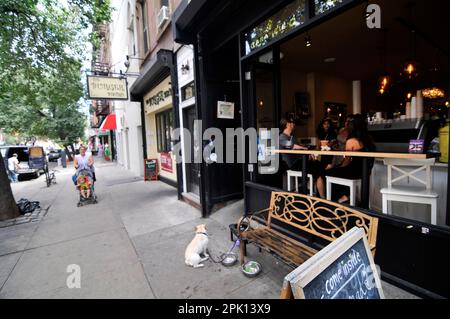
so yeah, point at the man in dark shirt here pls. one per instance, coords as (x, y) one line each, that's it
(287, 142)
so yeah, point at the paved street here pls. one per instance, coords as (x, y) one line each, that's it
(130, 245)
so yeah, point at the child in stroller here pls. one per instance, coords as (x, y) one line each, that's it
(85, 185)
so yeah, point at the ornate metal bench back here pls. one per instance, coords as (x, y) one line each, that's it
(321, 218)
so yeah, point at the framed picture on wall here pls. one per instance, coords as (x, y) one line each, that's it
(225, 110)
(302, 107)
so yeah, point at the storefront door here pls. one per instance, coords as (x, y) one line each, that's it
(266, 106)
(192, 169)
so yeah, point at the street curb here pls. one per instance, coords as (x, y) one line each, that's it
(27, 218)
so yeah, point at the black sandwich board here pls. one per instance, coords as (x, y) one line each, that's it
(345, 269)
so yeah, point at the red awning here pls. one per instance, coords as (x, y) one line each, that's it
(109, 123)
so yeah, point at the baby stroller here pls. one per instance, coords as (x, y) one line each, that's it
(85, 186)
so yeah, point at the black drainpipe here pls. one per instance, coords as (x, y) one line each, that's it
(200, 87)
(144, 136)
(176, 116)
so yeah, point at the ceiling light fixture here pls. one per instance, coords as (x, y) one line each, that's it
(308, 40)
(433, 93)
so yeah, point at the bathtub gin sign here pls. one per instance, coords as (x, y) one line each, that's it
(107, 88)
(343, 270)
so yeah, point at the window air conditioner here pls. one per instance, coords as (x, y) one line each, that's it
(163, 16)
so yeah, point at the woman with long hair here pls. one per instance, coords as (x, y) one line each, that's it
(358, 140)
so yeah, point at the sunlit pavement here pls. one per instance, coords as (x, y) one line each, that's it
(129, 245)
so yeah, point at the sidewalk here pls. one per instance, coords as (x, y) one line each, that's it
(130, 245)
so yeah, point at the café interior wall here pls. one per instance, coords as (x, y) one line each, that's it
(332, 89)
(291, 83)
(321, 88)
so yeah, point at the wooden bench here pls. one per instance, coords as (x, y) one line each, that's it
(317, 221)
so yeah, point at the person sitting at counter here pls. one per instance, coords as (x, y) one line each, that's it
(326, 133)
(341, 140)
(294, 162)
(287, 142)
(326, 136)
(358, 140)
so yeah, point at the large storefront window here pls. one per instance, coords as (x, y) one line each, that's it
(164, 127)
(291, 17)
(397, 82)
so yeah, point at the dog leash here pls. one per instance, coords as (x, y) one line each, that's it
(223, 256)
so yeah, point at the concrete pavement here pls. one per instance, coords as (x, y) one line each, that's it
(130, 245)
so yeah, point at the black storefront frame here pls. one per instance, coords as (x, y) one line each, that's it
(415, 231)
(274, 46)
(404, 234)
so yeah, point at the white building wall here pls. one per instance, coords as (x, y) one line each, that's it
(128, 114)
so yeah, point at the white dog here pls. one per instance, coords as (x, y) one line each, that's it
(197, 246)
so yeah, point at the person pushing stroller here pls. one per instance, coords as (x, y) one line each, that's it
(84, 161)
(85, 175)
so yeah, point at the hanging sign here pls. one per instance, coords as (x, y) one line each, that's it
(106, 87)
(345, 269)
(225, 110)
(150, 169)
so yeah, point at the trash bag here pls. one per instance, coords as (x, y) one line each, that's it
(27, 207)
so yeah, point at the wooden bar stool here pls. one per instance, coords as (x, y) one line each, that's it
(408, 169)
(295, 174)
(353, 184)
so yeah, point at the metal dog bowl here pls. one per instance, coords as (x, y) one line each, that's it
(251, 269)
(229, 259)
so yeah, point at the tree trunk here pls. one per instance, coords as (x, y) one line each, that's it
(8, 207)
(69, 154)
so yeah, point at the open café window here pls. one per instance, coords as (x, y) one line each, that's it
(397, 77)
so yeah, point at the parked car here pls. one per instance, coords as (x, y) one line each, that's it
(53, 155)
(31, 158)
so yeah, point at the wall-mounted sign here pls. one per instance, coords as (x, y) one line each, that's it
(188, 91)
(345, 269)
(159, 97)
(105, 87)
(185, 66)
(225, 110)
(166, 162)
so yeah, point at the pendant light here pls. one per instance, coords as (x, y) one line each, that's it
(434, 92)
(410, 69)
(384, 80)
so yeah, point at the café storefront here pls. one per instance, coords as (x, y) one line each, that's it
(314, 59)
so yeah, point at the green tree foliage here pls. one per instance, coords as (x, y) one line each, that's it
(43, 44)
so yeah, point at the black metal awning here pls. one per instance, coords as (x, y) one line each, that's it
(184, 16)
(153, 72)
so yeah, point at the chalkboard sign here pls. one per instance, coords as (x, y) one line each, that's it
(151, 169)
(343, 270)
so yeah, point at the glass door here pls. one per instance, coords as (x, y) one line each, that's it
(265, 104)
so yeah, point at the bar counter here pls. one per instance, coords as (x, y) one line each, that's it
(365, 183)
